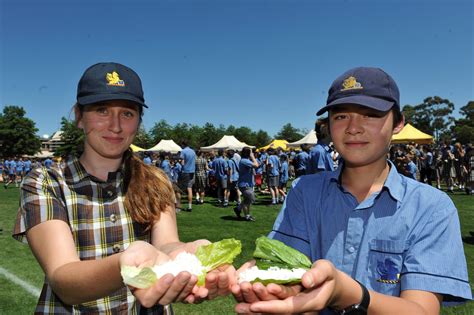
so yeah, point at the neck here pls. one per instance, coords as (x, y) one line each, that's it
(365, 180)
(99, 167)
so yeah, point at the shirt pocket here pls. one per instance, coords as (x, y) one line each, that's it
(385, 265)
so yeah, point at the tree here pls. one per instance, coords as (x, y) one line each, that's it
(463, 129)
(143, 139)
(289, 133)
(261, 138)
(73, 138)
(433, 116)
(17, 133)
(161, 130)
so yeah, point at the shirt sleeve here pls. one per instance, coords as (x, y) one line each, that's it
(435, 261)
(289, 226)
(40, 201)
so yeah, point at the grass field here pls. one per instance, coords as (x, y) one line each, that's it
(206, 221)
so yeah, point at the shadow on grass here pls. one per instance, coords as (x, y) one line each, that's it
(469, 239)
(231, 218)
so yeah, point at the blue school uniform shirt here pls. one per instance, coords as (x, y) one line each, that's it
(411, 170)
(27, 166)
(233, 165)
(48, 163)
(246, 173)
(175, 171)
(189, 157)
(259, 169)
(12, 167)
(20, 165)
(166, 167)
(302, 161)
(220, 167)
(147, 160)
(405, 237)
(319, 159)
(275, 165)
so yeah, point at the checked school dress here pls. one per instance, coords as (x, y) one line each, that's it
(100, 226)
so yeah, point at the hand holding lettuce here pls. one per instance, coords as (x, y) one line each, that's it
(276, 263)
(206, 259)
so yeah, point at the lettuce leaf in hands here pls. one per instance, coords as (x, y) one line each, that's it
(280, 253)
(210, 257)
(272, 254)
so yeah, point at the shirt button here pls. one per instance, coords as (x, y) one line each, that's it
(351, 249)
(116, 248)
(110, 193)
(113, 218)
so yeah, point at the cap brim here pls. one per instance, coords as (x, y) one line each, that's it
(96, 98)
(362, 100)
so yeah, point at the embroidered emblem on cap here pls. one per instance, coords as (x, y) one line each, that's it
(388, 272)
(114, 79)
(351, 84)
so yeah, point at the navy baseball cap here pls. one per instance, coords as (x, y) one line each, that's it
(108, 81)
(365, 86)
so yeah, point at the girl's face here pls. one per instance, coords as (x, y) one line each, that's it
(362, 135)
(110, 127)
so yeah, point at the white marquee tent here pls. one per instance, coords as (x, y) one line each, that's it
(227, 142)
(310, 138)
(166, 146)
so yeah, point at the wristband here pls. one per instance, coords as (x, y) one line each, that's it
(360, 308)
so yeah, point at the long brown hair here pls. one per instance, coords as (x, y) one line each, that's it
(148, 191)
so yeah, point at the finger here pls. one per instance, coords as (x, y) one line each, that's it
(223, 283)
(189, 284)
(262, 293)
(237, 293)
(273, 307)
(211, 285)
(176, 287)
(247, 292)
(151, 296)
(282, 291)
(242, 308)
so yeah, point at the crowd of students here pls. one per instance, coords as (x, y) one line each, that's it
(448, 164)
(14, 169)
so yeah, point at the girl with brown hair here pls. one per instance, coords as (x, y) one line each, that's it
(87, 218)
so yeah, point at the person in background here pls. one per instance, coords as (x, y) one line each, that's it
(11, 168)
(27, 166)
(301, 161)
(320, 158)
(283, 177)
(200, 183)
(233, 176)
(48, 162)
(258, 171)
(381, 243)
(147, 159)
(410, 167)
(273, 173)
(220, 167)
(66, 211)
(186, 178)
(247, 165)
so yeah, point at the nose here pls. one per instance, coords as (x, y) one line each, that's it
(115, 123)
(355, 125)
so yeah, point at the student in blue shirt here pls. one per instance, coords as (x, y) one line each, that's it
(283, 177)
(247, 165)
(220, 167)
(27, 166)
(301, 161)
(320, 156)
(233, 178)
(48, 163)
(186, 178)
(11, 166)
(381, 243)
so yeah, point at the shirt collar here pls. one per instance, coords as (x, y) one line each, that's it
(393, 184)
(75, 172)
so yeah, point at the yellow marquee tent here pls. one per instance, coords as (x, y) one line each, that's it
(136, 148)
(283, 144)
(411, 134)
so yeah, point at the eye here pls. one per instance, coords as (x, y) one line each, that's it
(101, 110)
(339, 116)
(129, 114)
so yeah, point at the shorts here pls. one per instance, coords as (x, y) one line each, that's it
(273, 181)
(247, 195)
(185, 181)
(222, 183)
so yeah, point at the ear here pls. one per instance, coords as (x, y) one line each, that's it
(78, 117)
(398, 127)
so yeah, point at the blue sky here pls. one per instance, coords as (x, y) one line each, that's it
(252, 63)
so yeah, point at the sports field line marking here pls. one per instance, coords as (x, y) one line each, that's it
(25, 285)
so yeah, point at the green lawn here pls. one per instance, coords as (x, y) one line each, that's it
(206, 221)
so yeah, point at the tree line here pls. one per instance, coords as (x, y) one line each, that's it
(18, 133)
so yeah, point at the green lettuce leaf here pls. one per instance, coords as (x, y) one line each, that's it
(217, 254)
(141, 278)
(268, 281)
(279, 253)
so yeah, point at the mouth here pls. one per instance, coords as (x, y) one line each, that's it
(113, 140)
(355, 144)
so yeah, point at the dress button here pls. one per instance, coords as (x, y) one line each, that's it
(110, 193)
(113, 218)
(116, 248)
(351, 249)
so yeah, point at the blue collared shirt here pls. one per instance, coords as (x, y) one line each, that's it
(405, 237)
(320, 159)
(189, 157)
